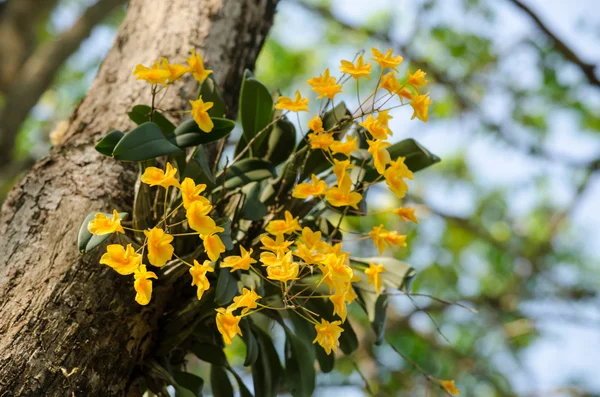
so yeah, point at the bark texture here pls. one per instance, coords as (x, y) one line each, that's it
(69, 326)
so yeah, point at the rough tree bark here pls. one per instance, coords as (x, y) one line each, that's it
(69, 326)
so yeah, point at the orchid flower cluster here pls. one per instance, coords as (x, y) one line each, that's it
(292, 249)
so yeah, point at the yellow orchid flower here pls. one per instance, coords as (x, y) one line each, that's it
(406, 214)
(381, 156)
(247, 300)
(143, 285)
(417, 79)
(199, 279)
(239, 262)
(420, 105)
(388, 60)
(175, 70)
(196, 67)
(298, 104)
(228, 325)
(316, 125)
(200, 114)
(153, 75)
(328, 335)
(160, 249)
(213, 245)
(316, 188)
(156, 177)
(374, 274)
(101, 224)
(123, 260)
(357, 71)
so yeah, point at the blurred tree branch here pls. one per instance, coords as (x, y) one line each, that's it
(588, 69)
(25, 77)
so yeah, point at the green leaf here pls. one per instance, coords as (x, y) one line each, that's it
(244, 392)
(256, 109)
(348, 339)
(210, 92)
(107, 144)
(379, 318)
(221, 386)
(417, 158)
(210, 353)
(326, 361)
(143, 143)
(197, 168)
(397, 275)
(250, 341)
(226, 287)
(187, 384)
(225, 235)
(299, 367)
(282, 140)
(189, 134)
(244, 171)
(86, 241)
(267, 371)
(140, 114)
(253, 208)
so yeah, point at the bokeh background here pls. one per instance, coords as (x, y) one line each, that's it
(509, 220)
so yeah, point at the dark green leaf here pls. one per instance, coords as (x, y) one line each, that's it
(209, 91)
(326, 361)
(266, 372)
(221, 386)
(250, 341)
(253, 208)
(245, 171)
(198, 169)
(108, 143)
(210, 353)
(397, 275)
(244, 392)
(225, 235)
(299, 367)
(190, 383)
(256, 109)
(141, 114)
(348, 339)
(188, 133)
(226, 287)
(282, 140)
(86, 241)
(379, 318)
(143, 143)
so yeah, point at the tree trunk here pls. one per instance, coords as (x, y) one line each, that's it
(69, 325)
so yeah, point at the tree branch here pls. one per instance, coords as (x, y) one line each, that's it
(588, 69)
(38, 71)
